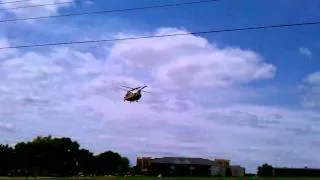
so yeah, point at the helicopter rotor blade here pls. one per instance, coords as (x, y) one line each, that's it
(123, 89)
(127, 87)
(135, 88)
(146, 91)
(131, 89)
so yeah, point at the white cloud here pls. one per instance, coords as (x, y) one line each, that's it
(305, 52)
(312, 96)
(6, 127)
(9, 52)
(30, 65)
(35, 11)
(191, 61)
(88, 2)
(313, 78)
(62, 89)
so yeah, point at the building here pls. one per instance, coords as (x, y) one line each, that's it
(237, 171)
(223, 165)
(296, 172)
(143, 164)
(223, 162)
(184, 166)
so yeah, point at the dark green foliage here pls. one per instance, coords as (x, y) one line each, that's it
(228, 172)
(135, 170)
(47, 156)
(296, 172)
(125, 164)
(265, 170)
(108, 163)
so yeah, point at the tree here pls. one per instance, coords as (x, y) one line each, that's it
(23, 158)
(228, 172)
(85, 162)
(265, 170)
(53, 156)
(135, 170)
(108, 163)
(6, 159)
(125, 165)
(48, 156)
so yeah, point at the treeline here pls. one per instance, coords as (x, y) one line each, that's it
(47, 156)
(267, 170)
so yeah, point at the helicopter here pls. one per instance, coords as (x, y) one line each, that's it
(134, 96)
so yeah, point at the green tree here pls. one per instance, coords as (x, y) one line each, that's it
(125, 165)
(265, 170)
(108, 163)
(135, 170)
(228, 172)
(85, 162)
(48, 156)
(6, 159)
(23, 158)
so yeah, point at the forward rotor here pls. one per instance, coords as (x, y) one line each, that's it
(133, 89)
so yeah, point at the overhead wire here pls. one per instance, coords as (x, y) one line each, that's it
(41, 5)
(166, 35)
(110, 11)
(17, 1)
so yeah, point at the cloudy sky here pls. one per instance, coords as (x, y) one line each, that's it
(251, 97)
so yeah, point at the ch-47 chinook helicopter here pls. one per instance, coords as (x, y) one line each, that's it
(133, 96)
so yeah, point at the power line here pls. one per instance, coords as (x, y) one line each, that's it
(40, 5)
(166, 35)
(10, 2)
(110, 11)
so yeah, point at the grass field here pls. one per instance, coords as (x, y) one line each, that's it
(154, 178)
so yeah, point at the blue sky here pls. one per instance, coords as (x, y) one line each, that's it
(250, 96)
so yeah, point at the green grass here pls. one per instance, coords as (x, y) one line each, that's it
(154, 178)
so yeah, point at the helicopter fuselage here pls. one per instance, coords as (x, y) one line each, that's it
(133, 96)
